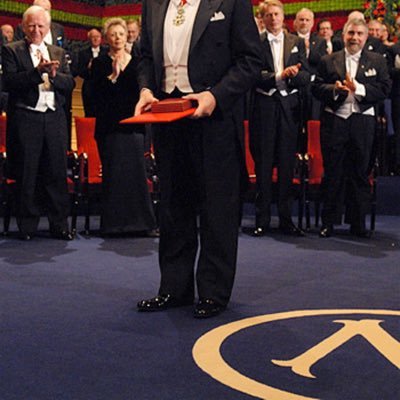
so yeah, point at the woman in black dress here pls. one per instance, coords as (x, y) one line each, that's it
(126, 204)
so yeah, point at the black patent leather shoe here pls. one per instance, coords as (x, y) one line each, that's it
(291, 230)
(62, 235)
(207, 308)
(161, 302)
(260, 231)
(326, 231)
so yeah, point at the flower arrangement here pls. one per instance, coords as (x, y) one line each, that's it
(384, 11)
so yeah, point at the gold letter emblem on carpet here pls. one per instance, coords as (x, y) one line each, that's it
(207, 349)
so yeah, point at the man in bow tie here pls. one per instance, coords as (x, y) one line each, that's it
(275, 117)
(316, 47)
(37, 79)
(208, 52)
(350, 83)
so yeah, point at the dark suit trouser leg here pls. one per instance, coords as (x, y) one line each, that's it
(55, 171)
(346, 149)
(262, 145)
(362, 133)
(219, 210)
(274, 133)
(41, 168)
(199, 175)
(286, 147)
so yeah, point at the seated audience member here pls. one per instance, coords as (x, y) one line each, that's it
(8, 33)
(373, 43)
(316, 47)
(133, 35)
(324, 30)
(386, 37)
(126, 205)
(275, 117)
(85, 60)
(349, 93)
(37, 78)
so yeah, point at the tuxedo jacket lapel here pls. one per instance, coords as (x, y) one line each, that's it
(159, 12)
(288, 44)
(206, 10)
(267, 52)
(25, 56)
(363, 66)
(340, 64)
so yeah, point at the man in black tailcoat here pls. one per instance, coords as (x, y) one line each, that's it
(208, 50)
(350, 83)
(37, 78)
(275, 118)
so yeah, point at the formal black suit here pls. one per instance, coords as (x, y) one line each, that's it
(200, 160)
(85, 57)
(36, 141)
(312, 106)
(274, 128)
(347, 143)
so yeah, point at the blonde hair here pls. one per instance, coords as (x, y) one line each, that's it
(262, 8)
(113, 22)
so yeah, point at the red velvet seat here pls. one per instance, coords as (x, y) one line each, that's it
(90, 176)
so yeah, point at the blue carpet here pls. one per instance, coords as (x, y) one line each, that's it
(69, 329)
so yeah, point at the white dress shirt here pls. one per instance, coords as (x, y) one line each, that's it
(48, 38)
(350, 105)
(46, 98)
(277, 48)
(95, 51)
(176, 46)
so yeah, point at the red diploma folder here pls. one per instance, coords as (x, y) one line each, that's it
(164, 111)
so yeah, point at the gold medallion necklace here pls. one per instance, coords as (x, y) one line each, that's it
(180, 14)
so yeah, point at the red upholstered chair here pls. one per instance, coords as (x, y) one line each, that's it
(7, 184)
(298, 181)
(90, 164)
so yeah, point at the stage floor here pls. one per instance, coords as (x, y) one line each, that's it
(329, 308)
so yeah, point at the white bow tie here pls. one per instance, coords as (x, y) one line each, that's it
(275, 39)
(354, 57)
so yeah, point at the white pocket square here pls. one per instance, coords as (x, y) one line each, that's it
(370, 72)
(295, 50)
(218, 16)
